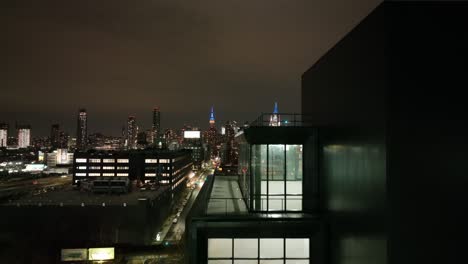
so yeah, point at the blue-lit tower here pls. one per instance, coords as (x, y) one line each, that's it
(275, 119)
(212, 117)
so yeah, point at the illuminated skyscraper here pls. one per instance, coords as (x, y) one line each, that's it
(212, 117)
(82, 130)
(55, 136)
(275, 119)
(156, 124)
(3, 135)
(131, 132)
(228, 153)
(211, 136)
(24, 136)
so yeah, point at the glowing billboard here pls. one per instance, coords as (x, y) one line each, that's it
(191, 134)
(101, 254)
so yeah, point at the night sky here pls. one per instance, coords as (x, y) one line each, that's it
(118, 58)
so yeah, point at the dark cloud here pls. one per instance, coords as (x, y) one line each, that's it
(118, 57)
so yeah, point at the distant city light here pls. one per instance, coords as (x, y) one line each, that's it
(191, 134)
(101, 254)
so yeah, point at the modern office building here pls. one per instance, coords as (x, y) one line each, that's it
(55, 141)
(393, 141)
(193, 142)
(383, 143)
(131, 133)
(24, 136)
(3, 135)
(268, 211)
(158, 166)
(157, 133)
(166, 167)
(59, 157)
(82, 130)
(229, 149)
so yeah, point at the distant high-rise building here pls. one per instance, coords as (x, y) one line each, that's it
(275, 119)
(82, 130)
(229, 155)
(192, 141)
(211, 136)
(212, 117)
(24, 136)
(3, 135)
(131, 132)
(55, 136)
(156, 124)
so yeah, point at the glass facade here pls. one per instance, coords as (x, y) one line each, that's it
(276, 177)
(258, 250)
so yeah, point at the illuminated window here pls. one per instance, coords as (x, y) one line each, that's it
(151, 161)
(107, 168)
(108, 160)
(82, 167)
(164, 160)
(80, 174)
(81, 160)
(101, 254)
(122, 168)
(94, 167)
(122, 174)
(258, 250)
(95, 160)
(108, 174)
(150, 174)
(122, 160)
(94, 174)
(219, 248)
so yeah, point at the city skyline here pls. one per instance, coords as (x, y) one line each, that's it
(116, 59)
(144, 122)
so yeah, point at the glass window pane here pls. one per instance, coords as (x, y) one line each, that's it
(276, 203)
(271, 248)
(294, 203)
(297, 248)
(264, 187)
(219, 248)
(276, 162)
(246, 261)
(271, 261)
(259, 174)
(246, 248)
(276, 187)
(264, 203)
(219, 261)
(294, 162)
(297, 261)
(294, 187)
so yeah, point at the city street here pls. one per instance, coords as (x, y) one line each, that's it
(172, 234)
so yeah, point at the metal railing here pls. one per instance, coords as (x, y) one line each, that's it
(226, 206)
(237, 206)
(283, 120)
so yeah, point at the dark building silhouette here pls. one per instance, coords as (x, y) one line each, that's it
(156, 124)
(55, 136)
(131, 133)
(82, 130)
(393, 139)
